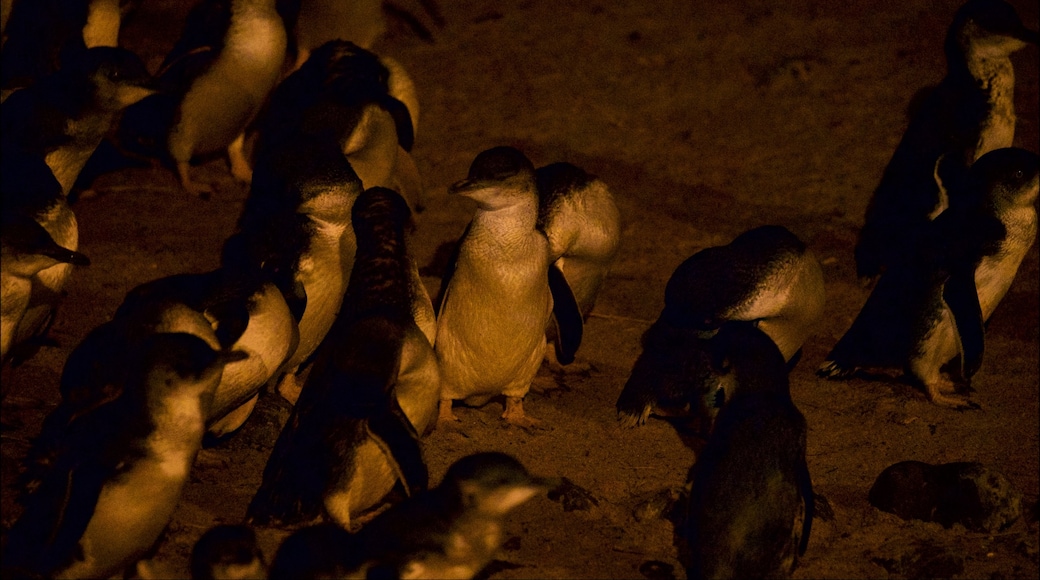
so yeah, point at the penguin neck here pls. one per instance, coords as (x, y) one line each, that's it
(511, 226)
(180, 416)
(987, 70)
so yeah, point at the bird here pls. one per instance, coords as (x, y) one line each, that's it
(766, 275)
(367, 102)
(227, 552)
(212, 85)
(930, 308)
(105, 474)
(970, 113)
(312, 553)
(373, 389)
(496, 300)
(451, 531)
(581, 220)
(751, 501)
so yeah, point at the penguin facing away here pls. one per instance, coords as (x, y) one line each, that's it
(373, 390)
(580, 219)
(496, 303)
(766, 275)
(451, 531)
(107, 472)
(214, 82)
(929, 309)
(970, 113)
(751, 503)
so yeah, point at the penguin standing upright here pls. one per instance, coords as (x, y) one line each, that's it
(109, 467)
(971, 112)
(930, 307)
(452, 531)
(578, 214)
(766, 275)
(496, 303)
(751, 503)
(373, 389)
(214, 82)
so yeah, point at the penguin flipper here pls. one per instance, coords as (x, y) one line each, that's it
(566, 316)
(449, 271)
(398, 439)
(402, 121)
(809, 500)
(962, 297)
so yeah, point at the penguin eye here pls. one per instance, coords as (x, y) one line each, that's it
(1019, 174)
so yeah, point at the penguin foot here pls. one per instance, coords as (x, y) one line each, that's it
(514, 415)
(446, 418)
(289, 388)
(240, 168)
(937, 393)
(195, 188)
(834, 371)
(629, 420)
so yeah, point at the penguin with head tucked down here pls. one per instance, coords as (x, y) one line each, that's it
(751, 503)
(213, 83)
(108, 469)
(971, 112)
(578, 214)
(766, 275)
(373, 389)
(929, 308)
(496, 302)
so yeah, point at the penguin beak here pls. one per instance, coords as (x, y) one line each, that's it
(129, 94)
(465, 186)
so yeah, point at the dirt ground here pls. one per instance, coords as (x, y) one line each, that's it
(706, 119)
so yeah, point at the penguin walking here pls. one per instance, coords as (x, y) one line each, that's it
(108, 469)
(373, 390)
(368, 103)
(766, 275)
(298, 218)
(214, 82)
(581, 220)
(970, 113)
(751, 503)
(451, 531)
(496, 303)
(930, 308)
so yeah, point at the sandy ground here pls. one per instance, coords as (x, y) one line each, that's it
(706, 119)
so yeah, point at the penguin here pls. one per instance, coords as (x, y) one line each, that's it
(751, 502)
(496, 302)
(31, 193)
(930, 308)
(451, 531)
(313, 553)
(227, 552)
(298, 218)
(45, 32)
(970, 113)
(64, 116)
(766, 275)
(213, 82)
(368, 103)
(581, 220)
(107, 472)
(372, 391)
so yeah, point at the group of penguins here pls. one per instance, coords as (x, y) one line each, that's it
(317, 282)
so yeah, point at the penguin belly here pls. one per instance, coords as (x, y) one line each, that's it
(994, 274)
(102, 28)
(788, 312)
(418, 385)
(368, 482)
(269, 339)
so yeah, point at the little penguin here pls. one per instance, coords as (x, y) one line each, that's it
(496, 301)
(372, 391)
(971, 112)
(64, 116)
(930, 308)
(108, 469)
(45, 32)
(213, 83)
(581, 220)
(297, 221)
(451, 531)
(32, 194)
(751, 503)
(368, 103)
(227, 552)
(313, 553)
(766, 275)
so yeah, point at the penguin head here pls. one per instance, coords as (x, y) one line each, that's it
(989, 28)
(27, 248)
(376, 208)
(180, 364)
(1006, 178)
(225, 552)
(118, 76)
(497, 178)
(492, 483)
